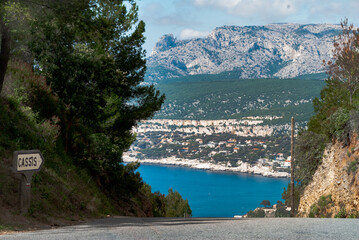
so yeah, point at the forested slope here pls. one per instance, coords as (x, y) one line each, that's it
(70, 83)
(209, 97)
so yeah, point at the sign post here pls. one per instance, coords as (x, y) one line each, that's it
(26, 163)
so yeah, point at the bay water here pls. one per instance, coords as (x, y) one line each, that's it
(214, 194)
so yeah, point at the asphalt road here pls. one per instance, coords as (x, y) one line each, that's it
(200, 228)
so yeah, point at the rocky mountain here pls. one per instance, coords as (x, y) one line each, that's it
(275, 50)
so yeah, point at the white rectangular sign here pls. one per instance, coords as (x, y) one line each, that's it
(30, 160)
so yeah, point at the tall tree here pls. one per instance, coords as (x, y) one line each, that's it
(91, 54)
(345, 67)
(15, 17)
(5, 41)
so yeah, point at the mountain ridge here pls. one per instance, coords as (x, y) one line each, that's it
(268, 51)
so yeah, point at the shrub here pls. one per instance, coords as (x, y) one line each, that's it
(258, 213)
(298, 189)
(176, 206)
(353, 214)
(319, 209)
(341, 214)
(351, 127)
(282, 212)
(352, 167)
(338, 122)
(309, 153)
(158, 201)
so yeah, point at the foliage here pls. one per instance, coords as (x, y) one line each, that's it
(76, 97)
(352, 167)
(15, 18)
(345, 67)
(298, 189)
(336, 113)
(309, 153)
(337, 122)
(6, 228)
(193, 97)
(58, 189)
(282, 212)
(95, 69)
(353, 214)
(258, 213)
(320, 208)
(332, 97)
(342, 213)
(158, 201)
(171, 205)
(265, 203)
(176, 206)
(339, 96)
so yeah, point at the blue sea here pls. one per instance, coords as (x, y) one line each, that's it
(214, 194)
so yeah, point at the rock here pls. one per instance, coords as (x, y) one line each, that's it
(332, 178)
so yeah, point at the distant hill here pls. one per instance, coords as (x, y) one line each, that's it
(270, 51)
(214, 97)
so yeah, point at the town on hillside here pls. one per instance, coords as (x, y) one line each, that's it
(225, 142)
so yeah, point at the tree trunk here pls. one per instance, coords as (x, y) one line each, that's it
(4, 52)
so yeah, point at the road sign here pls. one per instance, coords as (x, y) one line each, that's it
(26, 163)
(29, 160)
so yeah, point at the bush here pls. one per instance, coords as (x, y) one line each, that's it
(353, 214)
(338, 122)
(309, 153)
(352, 167)
(341, 214)
(319, 209)
(258, 213)
(298, 189)
(176, 206)
(158, 201)
(282, 212)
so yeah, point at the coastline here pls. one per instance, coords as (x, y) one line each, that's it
(197, 164)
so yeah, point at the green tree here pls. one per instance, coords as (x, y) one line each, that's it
(343, 83)
(298, 190)
(91, 55)
(345, 66)
(5, 43)
(265, 203)
(14, 22)
(176, 206)
(332, 97)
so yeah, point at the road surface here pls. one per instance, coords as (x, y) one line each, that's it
(199, 228)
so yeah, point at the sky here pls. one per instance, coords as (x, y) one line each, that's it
(187, 19)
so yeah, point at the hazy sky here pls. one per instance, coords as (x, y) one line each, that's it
(197, 18)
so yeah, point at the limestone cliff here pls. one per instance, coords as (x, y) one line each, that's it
(336, 176)
(270, 51)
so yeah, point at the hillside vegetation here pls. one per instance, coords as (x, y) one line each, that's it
(70, 84)
(333, 129)
(216, 97)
